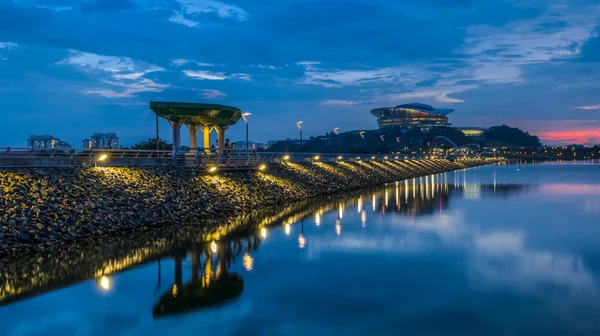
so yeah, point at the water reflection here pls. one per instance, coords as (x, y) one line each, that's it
(210, 285)
(37, 274)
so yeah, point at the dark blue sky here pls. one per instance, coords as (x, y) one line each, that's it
(71, 68)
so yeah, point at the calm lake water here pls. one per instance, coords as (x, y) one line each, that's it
(487, 251)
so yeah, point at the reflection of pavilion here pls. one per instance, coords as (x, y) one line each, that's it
(209, 285)
(205, 117)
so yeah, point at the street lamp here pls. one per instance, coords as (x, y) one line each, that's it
(244, 115)
(299, 124)
(335, 130)
(101, 158)
(362, 134)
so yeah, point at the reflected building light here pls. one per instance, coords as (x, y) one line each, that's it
(338, 227)
(263, 232)
(213, 247)
(406, 191)
(359, 206)
(363, 218)
(433, 186)
(341, 212)
(105, 282)
(414, 188)
(317, 219)
(287, 228)
(248, 262)
(374, 202)
(386, 199)
(301, 241)
(427, 186)
(397, 197)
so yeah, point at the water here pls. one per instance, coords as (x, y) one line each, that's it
(487, 251)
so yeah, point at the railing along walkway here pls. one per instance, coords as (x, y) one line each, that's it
(191, 158)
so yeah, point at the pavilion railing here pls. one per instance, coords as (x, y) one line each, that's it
(192, 158)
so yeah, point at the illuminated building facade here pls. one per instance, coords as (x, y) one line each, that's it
(46, 142)
(411, 115)
(101, 140)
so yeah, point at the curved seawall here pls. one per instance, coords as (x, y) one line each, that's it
(45, 207)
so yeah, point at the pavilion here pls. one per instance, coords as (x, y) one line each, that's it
(194, 116)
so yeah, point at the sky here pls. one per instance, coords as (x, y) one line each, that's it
(71, 68)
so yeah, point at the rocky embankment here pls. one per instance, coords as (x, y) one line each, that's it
(41, 208)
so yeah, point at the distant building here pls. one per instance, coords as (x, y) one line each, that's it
(473, 132)
(101, 140)
(411, 115)
(46, 142)
(251, 145)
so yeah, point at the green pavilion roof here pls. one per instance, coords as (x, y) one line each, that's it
(197, 113)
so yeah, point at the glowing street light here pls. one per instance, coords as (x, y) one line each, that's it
(299, 124)
(362, 134)
(287, 229)
(262, 167)
(286, 157)
(398, 139)
(213, 247)
(101, 158)
(382, 138)
(263, 233)
(212, 169)
(244, 115)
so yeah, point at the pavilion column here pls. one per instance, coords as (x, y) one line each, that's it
(221, 136)
(176, 136)
(195, 265)
(206, 136)
(193, 137)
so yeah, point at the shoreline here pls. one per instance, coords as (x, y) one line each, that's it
(45, 208)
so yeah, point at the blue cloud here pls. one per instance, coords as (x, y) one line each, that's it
(79, 67)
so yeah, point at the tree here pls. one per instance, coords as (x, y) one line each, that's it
(151, 144)
(512, 135)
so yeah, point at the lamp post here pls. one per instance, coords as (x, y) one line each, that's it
(244, 115)
(299, 124)
(101, 158)
(337, 136)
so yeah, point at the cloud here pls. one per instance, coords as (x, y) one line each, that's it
(212, 94)
(438, 94)
(339, 102)
(7, 46)
(181, 62)
(497, 52)
(588, 107)
(204, 75)
(180, 19)
(192, 11)
(122, 72)
(213, 75)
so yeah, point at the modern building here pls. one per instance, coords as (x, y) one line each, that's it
(46, 142)
(476, 133)
(101, 140)
(411, 115)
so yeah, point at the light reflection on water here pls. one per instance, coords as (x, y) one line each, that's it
(483, 251)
